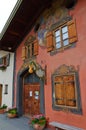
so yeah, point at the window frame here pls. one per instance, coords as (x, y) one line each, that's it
(31, 46)
(72, 36)
(6, 89)
(28, 48)
(77, 109)
(60, 28)
(4, 61)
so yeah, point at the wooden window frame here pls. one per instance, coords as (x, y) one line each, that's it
(5, 61)
(62, 46)
(56, 82)
(72, 36)
(30, 50)
(6, 89)
(71, 26)
(31, 46)
(75, 109)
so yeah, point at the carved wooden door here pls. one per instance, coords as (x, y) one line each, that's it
(0, 94)
(31, 99)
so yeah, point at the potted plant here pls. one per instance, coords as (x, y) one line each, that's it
(12, 112)
(3, 108)
(38, 122)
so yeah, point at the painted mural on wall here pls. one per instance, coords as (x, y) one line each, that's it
(48, 19)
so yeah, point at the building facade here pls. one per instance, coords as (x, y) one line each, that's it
(50, 66)
(6, 78)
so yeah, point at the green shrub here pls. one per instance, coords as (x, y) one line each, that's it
(4, 106)
(12, 110)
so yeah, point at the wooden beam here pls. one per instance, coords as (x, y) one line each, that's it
(14, 33)
(21, 21)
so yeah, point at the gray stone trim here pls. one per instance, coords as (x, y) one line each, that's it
(63, 126)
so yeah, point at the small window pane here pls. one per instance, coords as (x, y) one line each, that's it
(58, 45)
(66, 42)
(6, 89)
(57, 39)
(65, 36)
(28, 51)
(64, 29)
(32, 49)
(57, 33)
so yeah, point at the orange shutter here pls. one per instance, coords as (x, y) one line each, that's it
(49, 40)
(59, 94)
(72, 31)
(5, 61)
(59, 90)
(36, 47)
(24, 53)
(70, 91)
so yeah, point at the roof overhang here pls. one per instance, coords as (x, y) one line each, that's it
(10, 18)
(20, 22)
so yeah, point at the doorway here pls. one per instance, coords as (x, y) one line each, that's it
(30, 85)
(31, 99)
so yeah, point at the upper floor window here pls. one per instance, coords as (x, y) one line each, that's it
(62, 37)
(30, 50)
(66, 92)
(4, 61)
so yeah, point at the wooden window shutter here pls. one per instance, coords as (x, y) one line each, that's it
(70, 92)
(59, 90)
(49, 40)
(36, 47)
(24, 52)
(70, 95)
(72, 31)
(5, 61)
(59, 94)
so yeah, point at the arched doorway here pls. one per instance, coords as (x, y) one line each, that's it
(30, 93)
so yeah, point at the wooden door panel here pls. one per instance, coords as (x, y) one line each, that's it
(31, 99)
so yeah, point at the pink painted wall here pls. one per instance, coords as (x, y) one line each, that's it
(74, 56)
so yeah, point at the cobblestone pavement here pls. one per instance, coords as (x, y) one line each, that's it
(20, 123)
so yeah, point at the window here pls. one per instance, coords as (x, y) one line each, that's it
(63, 85)
(6, 89)
(66, 93)
(30, 50)
(4, 61)
(62, 37)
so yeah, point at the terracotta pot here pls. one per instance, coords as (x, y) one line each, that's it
(38, 127)
(2, 111)
(11, 115)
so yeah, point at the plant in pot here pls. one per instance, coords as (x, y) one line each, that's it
(3, 108)
(38, 122)
(12, 113)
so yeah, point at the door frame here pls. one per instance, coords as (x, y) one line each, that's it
(19, 94)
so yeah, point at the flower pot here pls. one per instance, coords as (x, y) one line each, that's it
(2, 111)
(38, 126)
(11, 115)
